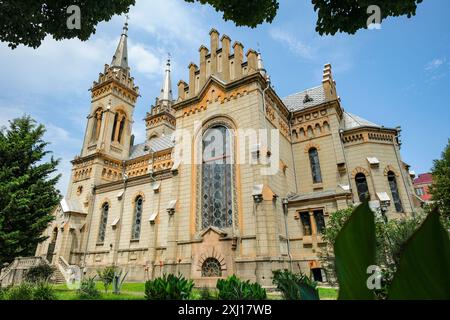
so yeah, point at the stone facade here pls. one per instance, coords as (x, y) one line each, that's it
(142, 206)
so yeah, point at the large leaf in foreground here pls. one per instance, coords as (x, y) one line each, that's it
(355, 251)
(424, 270)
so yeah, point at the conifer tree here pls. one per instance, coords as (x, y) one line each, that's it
(28, 191)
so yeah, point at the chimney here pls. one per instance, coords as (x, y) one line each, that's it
(203, 53)
(214, 47)
(182, 90)
(252, 59)
(226, 44)
(329, 85)
(192, 70)
(238, 59)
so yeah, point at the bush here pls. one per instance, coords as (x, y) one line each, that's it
(88, 290)
(43, 291)
(40, 273)
(3, 292)
(295, 286)
(235, 289)
(168, 287)
(106, 276)
(21, 292)
(205, 294)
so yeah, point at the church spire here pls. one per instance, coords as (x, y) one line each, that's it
(120, 59)
(166, 91)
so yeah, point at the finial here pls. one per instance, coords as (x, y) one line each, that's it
(125, 27)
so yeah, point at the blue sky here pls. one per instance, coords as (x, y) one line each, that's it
(396, 76)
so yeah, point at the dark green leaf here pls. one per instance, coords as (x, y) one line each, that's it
(355, 250)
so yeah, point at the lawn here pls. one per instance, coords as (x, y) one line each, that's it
(135, 291)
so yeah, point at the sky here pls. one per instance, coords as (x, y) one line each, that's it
(396, 76)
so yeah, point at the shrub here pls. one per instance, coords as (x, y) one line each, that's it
(106, 276)
(168, 287)
(40, 273)
(235, 289)
(3, 292)
(295, 286)
(88, 290)
(21, 292)
(43, 291)
(205, 294)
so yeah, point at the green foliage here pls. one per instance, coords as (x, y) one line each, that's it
(424, 263)
(28, 191)
(88, 290)
(424, 268)
(295, 286)
(106, 276)
(21, 292)
(40, 273)
(440, 189)
(355, 251)
(29, 22)
(235, 289)
(119, 279)
(335, 223)
(169, 287)
(351, 15)
(43, 291)
(248, 13)
(205, 294)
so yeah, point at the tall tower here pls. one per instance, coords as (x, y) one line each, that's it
(114, 96)
(161, 120)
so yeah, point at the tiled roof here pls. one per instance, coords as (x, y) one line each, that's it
(155, 144)
(351, 121)
(308, 98)
(424, 178)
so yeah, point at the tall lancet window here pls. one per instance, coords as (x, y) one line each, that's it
(362, 187)
(103, 223)
(394, 190)
(138, 204)
(315, 165)
(98, 116)
(116, 118)
(217, 178)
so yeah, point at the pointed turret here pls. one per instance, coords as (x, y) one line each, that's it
(261, 68)
(166, 96)
(120, 58)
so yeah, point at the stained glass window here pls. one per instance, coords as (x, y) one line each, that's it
(306, 222)
(137, 218)
(211, 268)
(361, 186)
(394, 190)
(103, 223)
(217, 177)
(320, 221)
(315, 165)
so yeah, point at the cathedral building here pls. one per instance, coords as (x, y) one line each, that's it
(270, 173)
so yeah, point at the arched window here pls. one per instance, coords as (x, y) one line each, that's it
(103, 223)
(361, 187)
(113, 135)
(121, 129)
(315, 165)
(211, 268)
(217, 178)
(394, 190)
(98, 116)
(137, 218)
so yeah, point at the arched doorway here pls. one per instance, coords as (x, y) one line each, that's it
(52, 245)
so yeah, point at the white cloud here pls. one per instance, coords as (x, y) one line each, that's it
(435, 64)
(295, 45)
(145, 61)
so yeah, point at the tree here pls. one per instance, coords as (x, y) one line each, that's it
(29, 22)
(28, 191)
(349, 16)
(440, 189)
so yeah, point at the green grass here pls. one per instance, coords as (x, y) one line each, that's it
(328, 294)
(135, 291)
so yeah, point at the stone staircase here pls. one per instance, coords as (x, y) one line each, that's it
(14, 274)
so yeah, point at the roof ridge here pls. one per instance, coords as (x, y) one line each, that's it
(300, 92)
